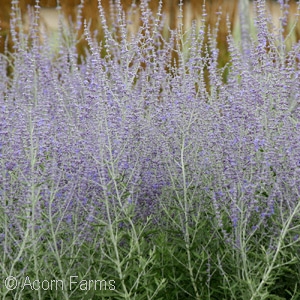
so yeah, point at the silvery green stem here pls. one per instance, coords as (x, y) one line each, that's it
(244, 15)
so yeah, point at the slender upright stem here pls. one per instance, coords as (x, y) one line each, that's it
(244, 15)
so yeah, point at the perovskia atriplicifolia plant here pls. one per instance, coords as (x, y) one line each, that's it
(129, 174)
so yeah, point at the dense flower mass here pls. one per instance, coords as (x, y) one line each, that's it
(148, 123)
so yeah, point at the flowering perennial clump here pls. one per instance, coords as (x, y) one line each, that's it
(142, 137)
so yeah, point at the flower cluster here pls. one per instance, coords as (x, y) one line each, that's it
(123, 128)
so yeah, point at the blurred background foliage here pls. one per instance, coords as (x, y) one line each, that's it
(192, 10)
